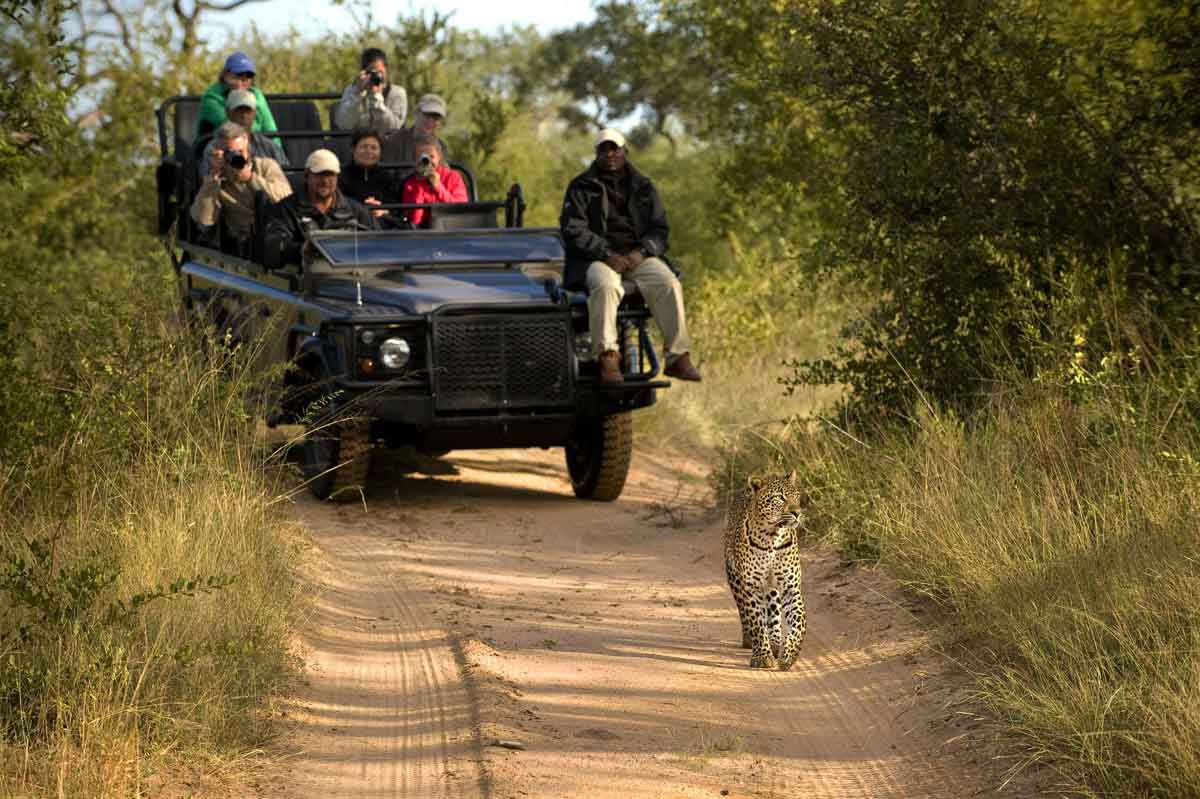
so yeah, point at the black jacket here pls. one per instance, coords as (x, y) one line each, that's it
(286, 221)
(585, 215)
(359, 183)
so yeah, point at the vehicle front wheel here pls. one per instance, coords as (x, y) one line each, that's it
(337, 459)
(598, 457)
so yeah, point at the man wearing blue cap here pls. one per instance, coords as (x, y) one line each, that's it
(237, 74)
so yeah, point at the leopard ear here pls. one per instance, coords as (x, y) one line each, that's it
(755, 482)
(793, 477)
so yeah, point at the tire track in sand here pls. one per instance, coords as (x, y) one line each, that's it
(383, 713)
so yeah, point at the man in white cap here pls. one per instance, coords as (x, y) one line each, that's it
(400, 146)
(242, 108)
(614, 226)
(321, 206)
(235, 190)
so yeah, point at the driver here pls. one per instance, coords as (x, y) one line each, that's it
(236, 188)
(321, 206)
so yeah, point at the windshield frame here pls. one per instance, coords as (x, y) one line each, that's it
(441, 248)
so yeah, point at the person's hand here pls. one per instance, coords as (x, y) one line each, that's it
(217, 163)
(433, 177)
(363, 81)
(619, 263)
(373, 201)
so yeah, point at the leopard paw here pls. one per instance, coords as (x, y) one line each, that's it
(762, 662)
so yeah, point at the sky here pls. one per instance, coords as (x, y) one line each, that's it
(483, 15)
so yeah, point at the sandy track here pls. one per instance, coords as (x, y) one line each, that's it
(490, 604)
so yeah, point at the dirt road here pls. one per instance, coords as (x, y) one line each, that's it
(463, 612)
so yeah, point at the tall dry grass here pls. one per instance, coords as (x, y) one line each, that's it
(1060, 535)
(145, 579)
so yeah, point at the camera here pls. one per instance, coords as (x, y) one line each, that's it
(425, 164)
(235, 160)
(376, 77)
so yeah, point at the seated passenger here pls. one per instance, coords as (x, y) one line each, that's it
(236, 190)
(399, 147)
(237, 74)
(372, 101)
(362, 179)
(243, 109)
(320, 207)
(433, 183)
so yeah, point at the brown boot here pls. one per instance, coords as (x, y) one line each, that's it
(681, 369)
(610, 367)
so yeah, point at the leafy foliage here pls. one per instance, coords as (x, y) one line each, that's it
(975, 164)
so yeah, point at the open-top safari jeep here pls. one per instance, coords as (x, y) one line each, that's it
(457, 336)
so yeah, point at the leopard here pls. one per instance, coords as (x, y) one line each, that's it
(762, 564)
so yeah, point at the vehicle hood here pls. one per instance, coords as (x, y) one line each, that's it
(419, 292)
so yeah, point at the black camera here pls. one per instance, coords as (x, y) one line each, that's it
(235, 159)
(376, 77)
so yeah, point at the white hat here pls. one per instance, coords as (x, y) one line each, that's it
(431, 104)
(240, 98)
(609, 134)
(323, 161)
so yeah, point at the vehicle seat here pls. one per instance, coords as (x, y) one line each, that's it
(462, 217)
(296, 115)
(186, 114)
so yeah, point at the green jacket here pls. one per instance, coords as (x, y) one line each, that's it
(212, 111)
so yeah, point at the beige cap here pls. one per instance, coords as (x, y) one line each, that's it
(612, 135)
(431, 104)
(240, 98)
(323, 161)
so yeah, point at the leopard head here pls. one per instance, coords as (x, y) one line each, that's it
(776, 508)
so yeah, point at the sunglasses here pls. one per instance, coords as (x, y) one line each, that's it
(246, 75)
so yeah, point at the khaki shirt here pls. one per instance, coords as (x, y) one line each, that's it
(234, 199)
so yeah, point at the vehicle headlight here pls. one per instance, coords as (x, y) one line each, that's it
(394, 353)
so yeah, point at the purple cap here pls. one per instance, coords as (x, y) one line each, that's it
(239, 62)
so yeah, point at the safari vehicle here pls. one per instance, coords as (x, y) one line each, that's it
(456, 336)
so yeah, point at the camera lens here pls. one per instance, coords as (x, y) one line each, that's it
(376, 78)
(235, 160)
(424, 160)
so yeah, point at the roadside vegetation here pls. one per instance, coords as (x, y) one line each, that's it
(941, 256)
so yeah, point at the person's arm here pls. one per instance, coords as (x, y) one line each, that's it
(349, 111)
(655, 240)
(413, 192)
(397, 102)
(271, 179)
(207, 205)
(576, 231)
(212, 110)
(450, 188)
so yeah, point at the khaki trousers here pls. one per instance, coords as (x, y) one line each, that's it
(662, 292)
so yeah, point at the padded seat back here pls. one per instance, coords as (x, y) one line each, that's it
(187, 112)
(292, 115)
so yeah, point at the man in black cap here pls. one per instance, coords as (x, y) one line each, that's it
(614, 226)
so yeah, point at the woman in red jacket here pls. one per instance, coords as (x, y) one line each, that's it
(433, 183)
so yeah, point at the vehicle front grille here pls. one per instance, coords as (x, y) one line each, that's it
(502, 361)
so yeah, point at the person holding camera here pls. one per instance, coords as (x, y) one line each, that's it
(400, 146)
(321, 206)
(238, 74)
(434, 182)
(372, 101)
(614, 227)
(243, 109)
(236, 189)
(363, 179)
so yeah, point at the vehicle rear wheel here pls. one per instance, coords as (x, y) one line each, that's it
(337, 459)
(598, 457)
